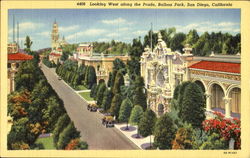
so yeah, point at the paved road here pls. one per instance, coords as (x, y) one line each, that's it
(88, 123)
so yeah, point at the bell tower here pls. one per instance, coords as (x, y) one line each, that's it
(54, 36)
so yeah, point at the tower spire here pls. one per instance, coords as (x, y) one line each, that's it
(17, 33)
(151, 42)
(13, 28)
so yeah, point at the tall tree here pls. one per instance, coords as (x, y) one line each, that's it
(67, 134)
(140, 97)
(62, 122)
(192, 37)
(147, 124)
(125, 111)
(107, 98)
(119, 81)
(164, 132)
(28, 43)
(115, 105)
(176, 43)
(193, 105)
(100, 94)
(136, 116)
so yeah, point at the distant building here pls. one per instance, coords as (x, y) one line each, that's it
(14, 60)
(13, 47)
(103, 64)
(218, 76)
(56, 42)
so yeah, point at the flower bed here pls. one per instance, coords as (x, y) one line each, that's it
(226, 128)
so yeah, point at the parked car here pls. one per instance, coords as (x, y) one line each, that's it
(108, 121)
(92, 107)
(59, 78)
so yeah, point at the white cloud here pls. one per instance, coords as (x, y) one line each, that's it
(124, 29)
(68, 28)
(210, 27)
(114, 34)
(117, 21)
(103, 40)
(224, 24)
(44, 33)
(139, 32)
(89, 32)
(27, 26)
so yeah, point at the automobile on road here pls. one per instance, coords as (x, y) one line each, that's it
(92, 107)
(108, 121)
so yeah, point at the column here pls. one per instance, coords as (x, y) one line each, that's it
(208, 102)
(227, 107)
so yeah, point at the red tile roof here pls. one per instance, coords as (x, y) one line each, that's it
(19, 56)
(217, 66)
(55, 54)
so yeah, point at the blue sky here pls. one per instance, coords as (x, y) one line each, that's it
(88, 25)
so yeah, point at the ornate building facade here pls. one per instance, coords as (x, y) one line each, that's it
(218, 76)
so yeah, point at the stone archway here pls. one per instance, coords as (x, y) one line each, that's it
(217, 97)
(235, 95)
(160, 109)
(201, 85)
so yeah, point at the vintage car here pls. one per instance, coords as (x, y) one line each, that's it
(92, 107)
(108, 121)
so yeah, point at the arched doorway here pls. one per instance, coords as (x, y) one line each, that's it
(235, 94)
(160, 109)
(217, 96)
(200, 84)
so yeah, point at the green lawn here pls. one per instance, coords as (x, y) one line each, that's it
(81, 87)
(45, 143)
(86, 96)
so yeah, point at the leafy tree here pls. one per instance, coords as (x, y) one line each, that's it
(119, 81)
(107, 98)
(181, 90)
(140, 97)
(147, 124)
(193, 105)
(164, 132)
(90, 77)
(18, 103)
(118, 64)
(62, 122)
(183, 138)
(214, 142)
(176, 42)
(28, 43)
(76, 144)
(93, 91)
(20, 133)
(115, 105)
(28, 74)
(100, 93)
(52, 112)
(192, 37)
(67, 134)
(125, 111)
(109, 80)
(136, 115)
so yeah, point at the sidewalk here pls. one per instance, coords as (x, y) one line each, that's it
(131, 134)
(88, 90)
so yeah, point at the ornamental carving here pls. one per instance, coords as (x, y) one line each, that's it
(218, 75)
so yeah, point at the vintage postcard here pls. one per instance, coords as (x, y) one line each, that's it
(125, 79)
